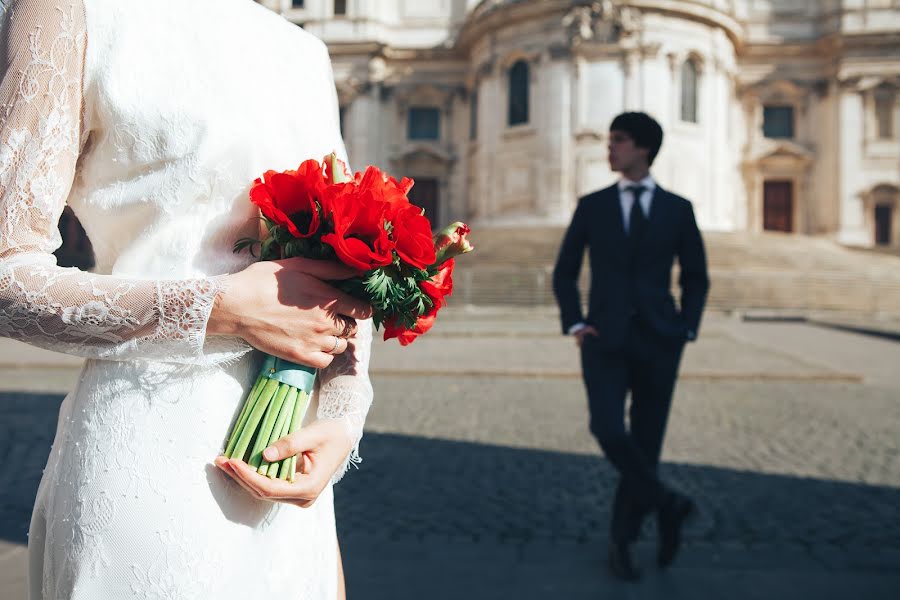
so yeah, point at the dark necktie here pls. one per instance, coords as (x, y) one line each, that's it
(636, 219)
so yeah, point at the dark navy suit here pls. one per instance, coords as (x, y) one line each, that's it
(641, 331)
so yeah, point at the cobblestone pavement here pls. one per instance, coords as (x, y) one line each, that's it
(489, 485)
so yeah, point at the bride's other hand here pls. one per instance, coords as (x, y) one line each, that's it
(321, 447)
(284, 308)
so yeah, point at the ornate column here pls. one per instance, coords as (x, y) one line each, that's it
(556, 129)
(631, 61)
(850, 144)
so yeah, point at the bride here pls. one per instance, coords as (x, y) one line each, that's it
(150, 119)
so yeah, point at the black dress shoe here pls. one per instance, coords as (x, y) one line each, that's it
(620, 562)
(672, 516)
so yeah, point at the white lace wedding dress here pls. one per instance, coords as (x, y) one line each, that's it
(150, 119)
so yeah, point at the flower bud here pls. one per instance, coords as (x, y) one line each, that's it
(451, 241)
(335, 170)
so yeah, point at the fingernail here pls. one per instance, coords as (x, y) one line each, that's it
(270, 454)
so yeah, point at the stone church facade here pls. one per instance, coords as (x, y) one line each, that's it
(779, 114)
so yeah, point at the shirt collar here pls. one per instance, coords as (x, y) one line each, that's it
(647, 183)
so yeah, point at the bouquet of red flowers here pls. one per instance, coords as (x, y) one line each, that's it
(366, 222)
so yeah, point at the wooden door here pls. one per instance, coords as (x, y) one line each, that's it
(425, 194)
(884, 214)
(778, 206)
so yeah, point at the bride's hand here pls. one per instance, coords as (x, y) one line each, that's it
(321, 447)
(284, 308)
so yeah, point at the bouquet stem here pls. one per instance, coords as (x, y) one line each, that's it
(274, 408)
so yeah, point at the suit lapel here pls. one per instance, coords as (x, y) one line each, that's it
(658, 206)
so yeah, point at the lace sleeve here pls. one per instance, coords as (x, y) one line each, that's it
(345, 391)
(41, 135)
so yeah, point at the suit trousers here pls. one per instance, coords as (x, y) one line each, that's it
(647, 365)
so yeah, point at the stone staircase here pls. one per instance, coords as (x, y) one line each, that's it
(749, 272)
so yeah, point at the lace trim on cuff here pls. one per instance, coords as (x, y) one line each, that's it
(349, 404)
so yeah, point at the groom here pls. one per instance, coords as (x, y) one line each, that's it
(633, 334)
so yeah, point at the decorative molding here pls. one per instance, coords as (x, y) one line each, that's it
(650, 50)
(431, 151)
(765, 151)
(591, 135)
(531, 57)
(378, 69)
(674, 62)
(865, 83)
(350, 89)
(559, 51)
(778, 90)
(425, 94)
(601, 22)
(485, 69)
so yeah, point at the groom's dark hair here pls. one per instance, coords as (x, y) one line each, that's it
(643, 129)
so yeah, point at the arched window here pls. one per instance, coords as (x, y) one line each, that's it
(689, 91)
(885, 96)
(518, 93)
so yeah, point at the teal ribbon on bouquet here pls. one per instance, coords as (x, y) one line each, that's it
(274, 408)
(293, 374)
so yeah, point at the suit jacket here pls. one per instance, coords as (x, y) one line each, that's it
(632, 278)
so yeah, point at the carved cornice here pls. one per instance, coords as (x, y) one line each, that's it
(866, 83)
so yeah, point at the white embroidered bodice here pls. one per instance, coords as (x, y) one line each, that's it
(150, 119)
(152, 133)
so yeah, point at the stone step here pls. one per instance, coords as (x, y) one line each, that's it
(748, 271)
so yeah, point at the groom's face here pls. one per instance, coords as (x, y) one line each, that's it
(623, 154)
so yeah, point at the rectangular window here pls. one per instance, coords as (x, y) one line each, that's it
(340, 7)
(296, 3)
(424, 123)
(884, 113)
(778, 121)
(689, 92)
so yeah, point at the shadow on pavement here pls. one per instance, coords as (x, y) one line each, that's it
(492, 511)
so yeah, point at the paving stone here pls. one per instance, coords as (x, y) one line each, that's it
(491, 486)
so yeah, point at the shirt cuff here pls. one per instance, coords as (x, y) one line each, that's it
(576, 328)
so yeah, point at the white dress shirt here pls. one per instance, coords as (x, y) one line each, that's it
(626, 197)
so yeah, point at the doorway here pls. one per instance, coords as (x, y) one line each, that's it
(425, 194)
(884, 214)
(778, 206)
